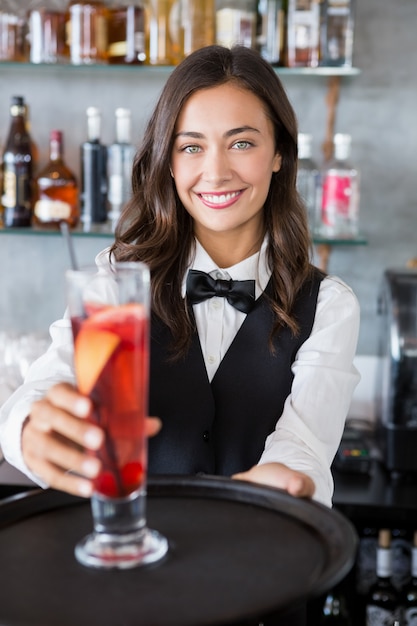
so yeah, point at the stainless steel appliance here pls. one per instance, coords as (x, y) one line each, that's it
(397, 415)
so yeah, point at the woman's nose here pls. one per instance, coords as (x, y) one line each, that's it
(216, 167)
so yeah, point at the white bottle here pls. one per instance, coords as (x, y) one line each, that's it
(120, 155)
(339, 194)
(307, 176)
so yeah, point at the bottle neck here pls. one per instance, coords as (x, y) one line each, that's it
(55, 149)
(384, 563)
(93, 128)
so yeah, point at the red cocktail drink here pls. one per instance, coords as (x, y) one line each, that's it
(111, 363)
(109, 312)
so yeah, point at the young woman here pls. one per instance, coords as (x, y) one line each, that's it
(253, 385)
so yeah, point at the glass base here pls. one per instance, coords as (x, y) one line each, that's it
(105, 551)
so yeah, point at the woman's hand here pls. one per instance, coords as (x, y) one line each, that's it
(58, 440)
(278, 475)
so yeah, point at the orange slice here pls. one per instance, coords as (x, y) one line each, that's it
(93, 348)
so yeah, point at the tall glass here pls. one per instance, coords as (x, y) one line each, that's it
(110, 320)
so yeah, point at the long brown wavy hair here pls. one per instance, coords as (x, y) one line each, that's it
(155, 228)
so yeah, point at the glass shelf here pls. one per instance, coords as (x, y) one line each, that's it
(155, 69)
(105, 230)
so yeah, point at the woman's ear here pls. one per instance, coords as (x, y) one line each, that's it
(276, 165)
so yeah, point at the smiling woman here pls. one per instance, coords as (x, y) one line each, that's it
(260, 391)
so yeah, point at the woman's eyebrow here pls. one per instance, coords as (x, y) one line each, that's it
(228, 133)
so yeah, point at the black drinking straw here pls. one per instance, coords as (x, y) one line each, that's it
(66, 234)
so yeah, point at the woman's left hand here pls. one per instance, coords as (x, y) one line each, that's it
(278, 475)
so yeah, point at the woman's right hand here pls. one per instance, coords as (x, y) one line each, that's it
(59, 442)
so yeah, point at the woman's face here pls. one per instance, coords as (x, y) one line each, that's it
(222, 161)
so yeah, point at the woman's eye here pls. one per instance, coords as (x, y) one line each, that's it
(242, 145)
(191, 149)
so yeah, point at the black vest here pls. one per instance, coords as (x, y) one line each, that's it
(221, 428)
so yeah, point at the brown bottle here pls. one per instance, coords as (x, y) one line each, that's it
(126, 33)
(16, 186)
(56, 188)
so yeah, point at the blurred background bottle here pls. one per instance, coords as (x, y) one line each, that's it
(13, 30)
(46, 32)
(198, 23)
(236, 22)
(307, 176)
(383, 603)
(93, 173)
(17, 180)
(126, 33)
(272, 31)
(336, 48)
(339, 195)
(410, 589)
(164, 40)
(303, 34)
(56, 188)
(86, 31)
(120, 156)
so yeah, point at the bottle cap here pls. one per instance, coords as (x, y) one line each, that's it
(18, 100)
(55, 135)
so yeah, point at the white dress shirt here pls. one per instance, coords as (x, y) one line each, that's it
(308, 432)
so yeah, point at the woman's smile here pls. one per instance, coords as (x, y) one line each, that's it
(220, 200)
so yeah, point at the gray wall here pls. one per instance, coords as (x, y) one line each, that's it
(378, 108)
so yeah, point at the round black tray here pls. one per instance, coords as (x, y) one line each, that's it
(237, 551)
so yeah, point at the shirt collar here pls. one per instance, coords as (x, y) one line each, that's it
(254, 267)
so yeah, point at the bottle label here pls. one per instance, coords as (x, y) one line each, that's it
(52, 210)
(410, 616)
(9, 188)
(339, 206)
(378, 616)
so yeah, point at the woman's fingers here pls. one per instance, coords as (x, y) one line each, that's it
(59, 442)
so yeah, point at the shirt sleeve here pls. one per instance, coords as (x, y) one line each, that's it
(310, 428)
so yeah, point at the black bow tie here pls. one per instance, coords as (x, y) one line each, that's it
(238, 293)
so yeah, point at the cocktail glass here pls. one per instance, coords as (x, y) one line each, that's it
(109, 313)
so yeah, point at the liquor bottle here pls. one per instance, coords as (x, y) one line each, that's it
(46, 32)
(16, 191)
(126, 33)
(303, 33)
(383, 604)
(120, 155)
(236, 23)
(164, 44)
(93, 173)
(86, 32)
(339, 194)
(336, 47)
(307, 176)
(198, 24)
(56, 188)
(410, 590)
(33, 145)
(13, 30)
(271, 31)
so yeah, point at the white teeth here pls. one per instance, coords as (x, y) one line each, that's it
(225, 197)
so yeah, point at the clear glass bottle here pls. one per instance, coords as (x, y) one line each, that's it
(271, 31)
(93, 173)
(120, 156)
(303, 33)
(13, 32)
(236, 23)
(383, 604)
(164, 41)
(410, 590)
(126, 33)
(56, 188)
(338, 198)
(17, 180)
(198, 24)
(46, 32)
(336, 48)
(86, 32)
(307, 176)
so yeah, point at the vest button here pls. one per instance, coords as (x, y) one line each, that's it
(206, 435)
